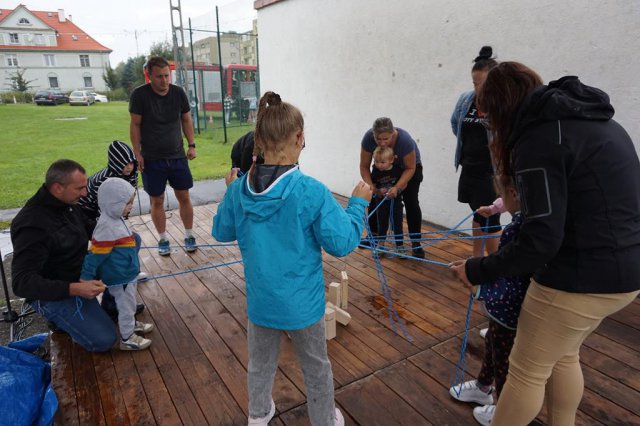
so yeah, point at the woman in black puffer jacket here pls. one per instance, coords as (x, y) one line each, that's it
(578, 177)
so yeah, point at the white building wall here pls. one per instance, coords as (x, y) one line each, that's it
(344, 63)
(67, 69)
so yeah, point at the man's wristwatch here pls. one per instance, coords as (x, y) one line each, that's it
(192, 145)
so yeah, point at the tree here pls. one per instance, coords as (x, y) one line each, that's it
(18, 82)
(162, 48)
(110, 77)
(128, 79)
(132, 73)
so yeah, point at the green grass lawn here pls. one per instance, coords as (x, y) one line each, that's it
(33, 137)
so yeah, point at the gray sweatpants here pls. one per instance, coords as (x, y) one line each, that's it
(126, 303)
(311, 347)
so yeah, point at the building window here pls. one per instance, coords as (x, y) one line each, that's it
(84, 61)
(13, 38)
(38, 39)
(24, 21)
(88, 82)
(12, 60)
(53, 82)
(49, 60)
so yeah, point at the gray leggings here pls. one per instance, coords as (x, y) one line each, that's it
(311, 347)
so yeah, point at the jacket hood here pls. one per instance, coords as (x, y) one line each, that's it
(566, 98)
(119, 155)
(262, 206)
(113, 196)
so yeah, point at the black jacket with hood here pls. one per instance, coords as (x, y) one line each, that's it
(119, 155)
(578, 177)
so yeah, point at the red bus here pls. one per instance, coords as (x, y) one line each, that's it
(240, 83)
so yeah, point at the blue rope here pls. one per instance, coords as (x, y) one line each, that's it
(376, 208)
(198, 245)
(461, 361)
(394, 318)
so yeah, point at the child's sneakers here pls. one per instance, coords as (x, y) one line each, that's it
(484, 415)
(263, 421)
(164, 247)
(134, 343)
(483, 332)
(338, 419)
(471, 392)
(142, 327)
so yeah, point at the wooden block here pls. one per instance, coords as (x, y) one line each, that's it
(334, 294)
(344, 291)
(329, 322)
(340, 315)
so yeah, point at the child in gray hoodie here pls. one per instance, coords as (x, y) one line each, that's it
(113, 258)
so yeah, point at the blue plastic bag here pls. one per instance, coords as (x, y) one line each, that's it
(25, 385)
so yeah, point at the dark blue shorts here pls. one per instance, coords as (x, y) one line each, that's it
(157, 172)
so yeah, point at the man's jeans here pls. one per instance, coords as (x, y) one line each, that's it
(91, 328)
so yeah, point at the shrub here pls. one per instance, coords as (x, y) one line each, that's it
(118, 94)
(21, 97)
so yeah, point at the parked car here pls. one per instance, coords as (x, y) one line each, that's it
(81, 97)
(50, 97)
(98, 97)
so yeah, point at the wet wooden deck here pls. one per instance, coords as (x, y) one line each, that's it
(195, 371)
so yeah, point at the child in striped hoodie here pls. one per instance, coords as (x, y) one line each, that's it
(113, 258)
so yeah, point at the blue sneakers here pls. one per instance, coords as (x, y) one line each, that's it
(190, 244)
(164, 248)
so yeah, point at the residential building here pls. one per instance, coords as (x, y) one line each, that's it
(51, 49)
(233, 46)
(249, 46)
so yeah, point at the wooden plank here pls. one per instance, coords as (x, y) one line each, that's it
(620, 352)
(424, 394)
(620, 333)
(130, 385)
(62, 379)
(217, 404)
(370, 402)
(113, 404)
(613, 368)
(90, 411)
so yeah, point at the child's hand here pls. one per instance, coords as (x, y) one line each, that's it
(362, 190)
(484, 211)
(231, 176)
(459, 272)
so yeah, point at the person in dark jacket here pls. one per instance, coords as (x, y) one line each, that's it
(121, 163)
(578, 177)
(242, 153)
(50, 236)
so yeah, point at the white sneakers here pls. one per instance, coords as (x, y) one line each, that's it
(338, 419)
(263, 421)
(470, 392)
(484, 414)
(134, 343)
(142, 327)
(483, 332)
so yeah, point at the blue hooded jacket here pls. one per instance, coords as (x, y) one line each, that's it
(281, 232)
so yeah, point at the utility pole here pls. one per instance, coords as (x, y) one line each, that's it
(179, 55)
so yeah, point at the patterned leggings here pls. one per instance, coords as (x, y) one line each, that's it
(497, 347)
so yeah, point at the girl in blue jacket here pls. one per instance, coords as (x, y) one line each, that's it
(282, 220)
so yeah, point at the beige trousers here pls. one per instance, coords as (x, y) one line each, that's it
(545, 356)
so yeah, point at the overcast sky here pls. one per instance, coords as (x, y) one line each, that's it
(115, 23)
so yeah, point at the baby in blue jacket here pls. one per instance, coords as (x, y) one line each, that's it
(113, 258)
